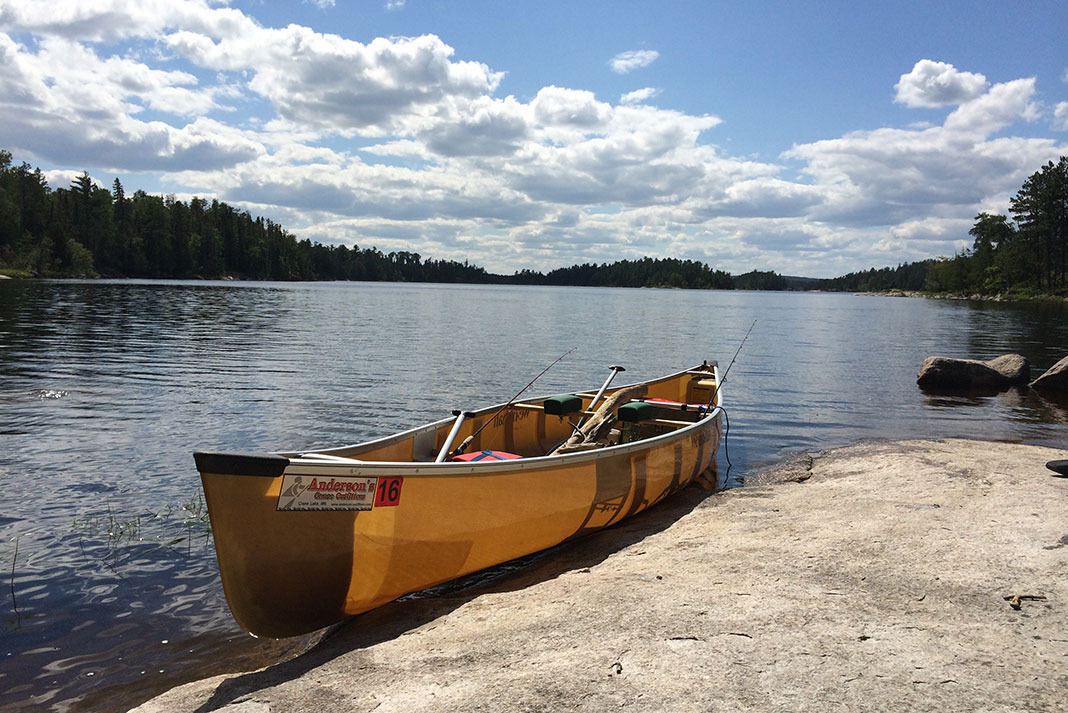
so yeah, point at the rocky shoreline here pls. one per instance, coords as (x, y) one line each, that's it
(974, 296)
(919, 575)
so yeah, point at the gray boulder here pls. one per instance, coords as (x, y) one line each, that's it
(1014, 367)
(1055, 378)
(950, 373)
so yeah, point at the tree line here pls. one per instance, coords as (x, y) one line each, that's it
(909, 276)
(89, 231)
(1026, 255)
(647, 272)
(86, 230)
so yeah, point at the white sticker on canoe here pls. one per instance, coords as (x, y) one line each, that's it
(326, 493)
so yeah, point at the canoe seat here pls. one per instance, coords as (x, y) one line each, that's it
(485, 455)
(562, 405)
(635, 411)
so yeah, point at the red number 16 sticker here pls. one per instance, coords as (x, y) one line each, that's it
(388, 491)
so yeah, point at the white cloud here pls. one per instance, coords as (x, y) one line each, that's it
(935, 84)
(395, 4)
(485, 127)
(65, 103)
(1003, 105)
(765, 196)
(341, 86)
(394, 142)
(639, 96)
(625, 62)
(1060, 116)
(114, 20)
(570, 109)
(891, 176)
(321, 4)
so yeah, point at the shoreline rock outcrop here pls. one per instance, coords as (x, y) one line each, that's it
(918, 575)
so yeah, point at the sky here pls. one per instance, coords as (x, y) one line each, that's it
(810, 139)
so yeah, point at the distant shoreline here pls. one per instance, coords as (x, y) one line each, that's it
(955, 296)
(973, 297)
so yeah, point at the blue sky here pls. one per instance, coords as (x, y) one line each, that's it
(806, 139)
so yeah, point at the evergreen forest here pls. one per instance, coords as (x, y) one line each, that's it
(1024, 256)
(89, 231)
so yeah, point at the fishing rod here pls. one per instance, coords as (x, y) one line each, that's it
(467, 441)
(738, 351)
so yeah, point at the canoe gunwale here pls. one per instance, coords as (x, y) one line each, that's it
(244, 464)
(297, 467)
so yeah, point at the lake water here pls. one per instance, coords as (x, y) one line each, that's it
(109, 580)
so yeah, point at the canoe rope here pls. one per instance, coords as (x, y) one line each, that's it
(715, 392)
(726, 432)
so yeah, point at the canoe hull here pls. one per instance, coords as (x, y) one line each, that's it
(287, 572)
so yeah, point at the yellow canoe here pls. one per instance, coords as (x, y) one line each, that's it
(305, 540)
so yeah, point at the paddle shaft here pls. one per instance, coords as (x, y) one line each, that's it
(444, 452)
(604, 386)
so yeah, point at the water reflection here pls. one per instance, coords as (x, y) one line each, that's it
(106, 388)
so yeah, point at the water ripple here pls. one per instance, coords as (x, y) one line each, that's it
(107, 387)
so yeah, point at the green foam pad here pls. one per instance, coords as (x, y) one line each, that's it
(636, 411)
(562, 405)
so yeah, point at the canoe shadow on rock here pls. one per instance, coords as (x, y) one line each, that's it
(397, 618)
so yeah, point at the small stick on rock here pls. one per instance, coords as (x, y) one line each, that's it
(1015, 599)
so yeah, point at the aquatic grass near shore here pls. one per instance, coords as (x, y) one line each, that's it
(159, 526)
(14, 619)
(14, 599)
(195, 509)
(109, 541)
